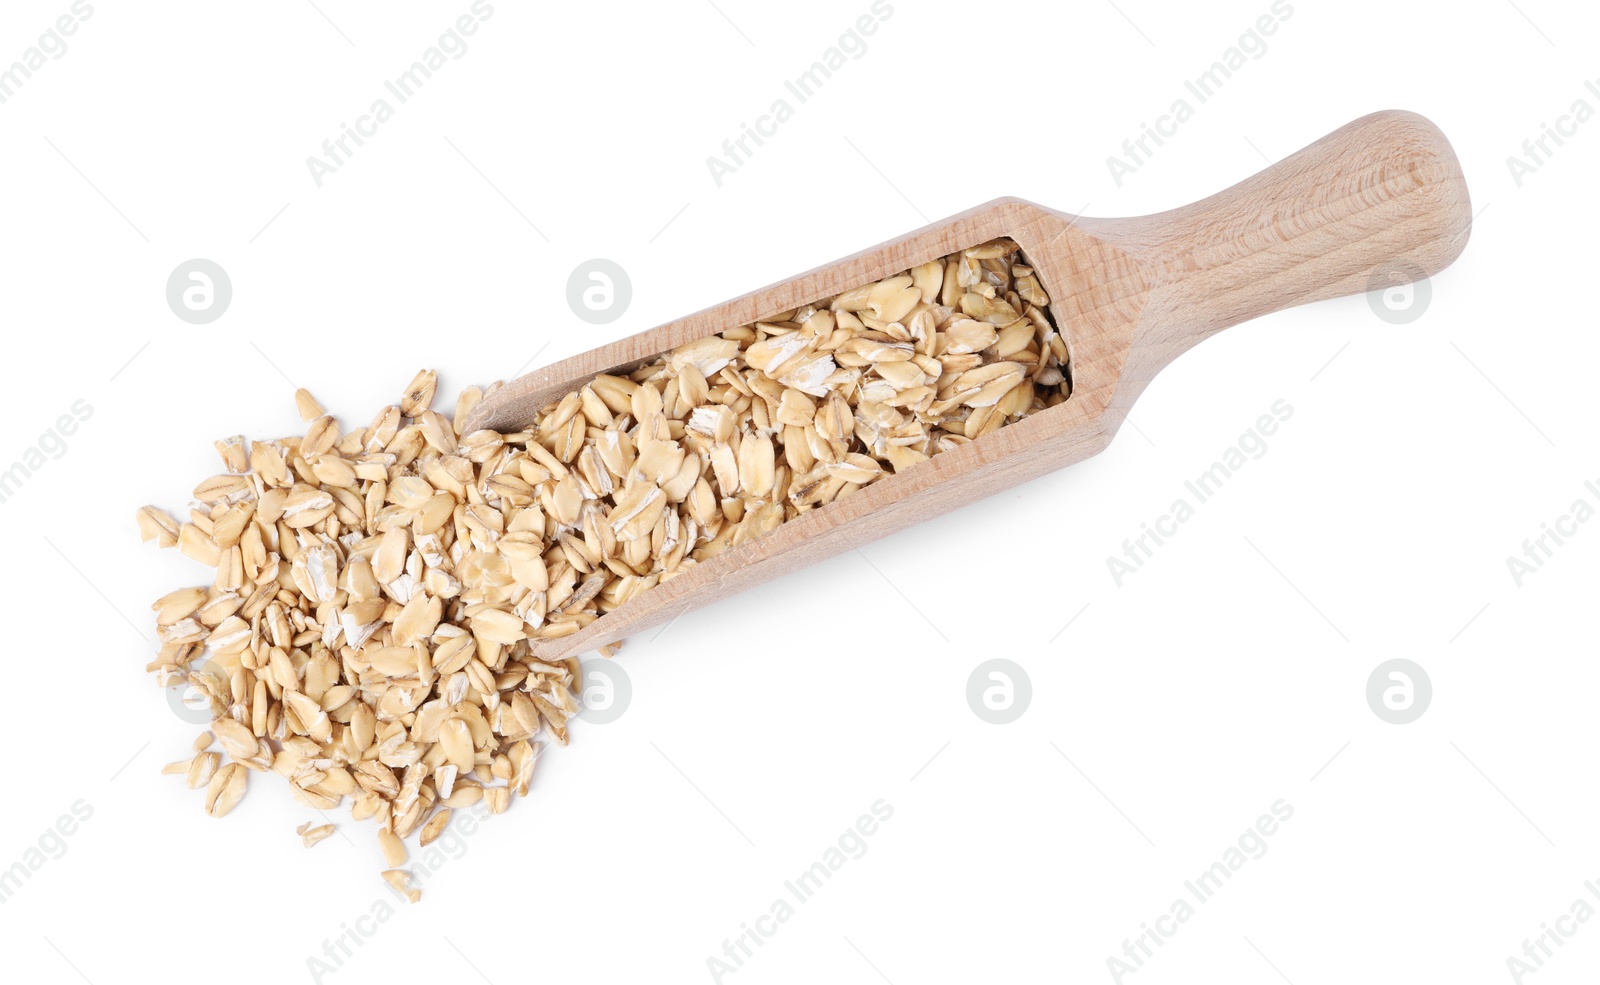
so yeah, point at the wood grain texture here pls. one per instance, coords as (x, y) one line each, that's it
(1129, 295)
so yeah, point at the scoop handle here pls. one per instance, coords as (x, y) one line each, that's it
(1377, 203)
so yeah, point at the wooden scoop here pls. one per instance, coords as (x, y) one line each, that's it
(1383, 195)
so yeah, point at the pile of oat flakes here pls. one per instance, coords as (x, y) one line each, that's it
(368, 634)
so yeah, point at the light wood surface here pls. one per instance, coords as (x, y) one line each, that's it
(1129, 295)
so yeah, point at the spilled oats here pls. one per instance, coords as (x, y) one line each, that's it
(369, 632)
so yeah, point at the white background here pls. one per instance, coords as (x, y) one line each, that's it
(1228, 673)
